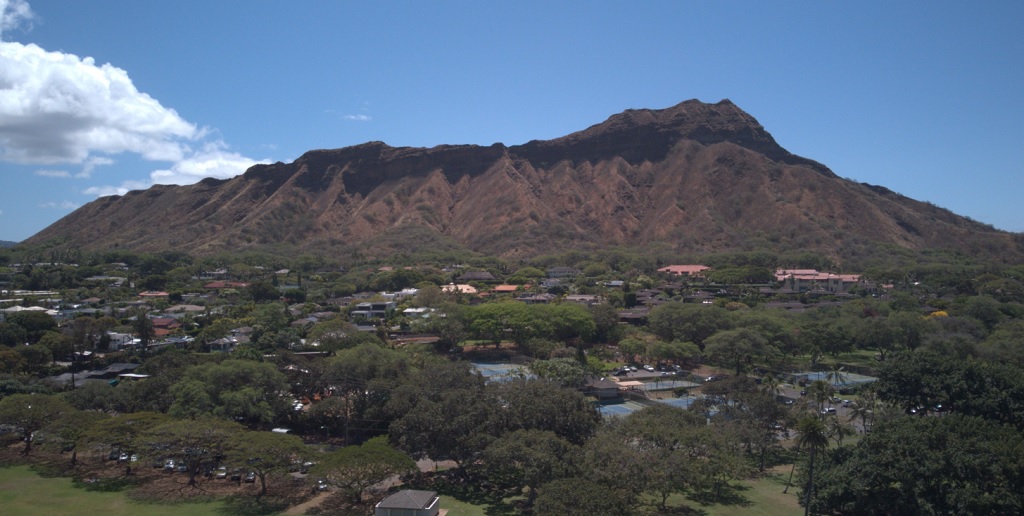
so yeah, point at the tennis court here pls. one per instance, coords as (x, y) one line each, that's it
(665, 385)
(620, 409)
(678, 402)
(847, 379)
(497, 372)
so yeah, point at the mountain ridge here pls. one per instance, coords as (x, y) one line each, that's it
(694, 177)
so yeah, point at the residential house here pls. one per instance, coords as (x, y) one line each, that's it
(537, 299)
(163, 326)
(601, 389)
(186, 309)
(805, 280)
(410, 502)
(586, 300)
(700, 297)
(475, 276)
(212, 275)
(119, 341)
(401, 294)
(635, 316)
(685, 270)
(219, 285)
(421, 312)
(460, 289)
(370, 310)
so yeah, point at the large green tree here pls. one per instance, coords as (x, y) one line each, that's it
(688, 322)
(199, 444)
(267, 454)
(736, 347)
(541, 405)
(932, 465)
(579, 497)
(924, 382)
(248, 391)
(353, 469)
(530, 458)
(29, 413)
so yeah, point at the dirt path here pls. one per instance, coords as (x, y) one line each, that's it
(308, 504)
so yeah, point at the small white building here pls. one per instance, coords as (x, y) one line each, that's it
(409, 502)
(119, 341)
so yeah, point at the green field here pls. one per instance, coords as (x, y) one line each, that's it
(24, 492)
(757, 497)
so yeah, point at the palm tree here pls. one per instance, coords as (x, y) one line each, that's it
(839, 429)
(771, 385)
(820, 391)
(811, 435)
(837, 375)
(859, 409)
(816, 355)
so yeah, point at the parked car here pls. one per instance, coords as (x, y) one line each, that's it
(829, 410)
(649, 369)
(222, 472)
(321, 485)
(236, 475)
(250, 477)
(169, 465)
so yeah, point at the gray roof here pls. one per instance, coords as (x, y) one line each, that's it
(408, 499)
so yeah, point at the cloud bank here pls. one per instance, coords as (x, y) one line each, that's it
(57, 108)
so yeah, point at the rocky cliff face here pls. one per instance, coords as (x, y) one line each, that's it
(694, 176)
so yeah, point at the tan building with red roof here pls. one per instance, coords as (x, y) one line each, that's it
(685, 270)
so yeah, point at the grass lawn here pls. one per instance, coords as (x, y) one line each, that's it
(23, 492)
(757, 497)
(460, 508)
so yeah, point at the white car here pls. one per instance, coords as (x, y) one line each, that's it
(649, 369)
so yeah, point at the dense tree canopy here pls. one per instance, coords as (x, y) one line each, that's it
(934, 465)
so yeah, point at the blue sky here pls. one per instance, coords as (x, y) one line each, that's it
(103, 96)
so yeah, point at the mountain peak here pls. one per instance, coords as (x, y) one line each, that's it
(694, 176)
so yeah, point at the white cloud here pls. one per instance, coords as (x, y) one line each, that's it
(91, 164)
(358, 118)
(56, 107)
(59, 108)
(63, 205)
(52, 173)
(13, 13)
(127, 186)
(211, 161)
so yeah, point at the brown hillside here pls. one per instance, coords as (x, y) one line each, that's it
(694, 176)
